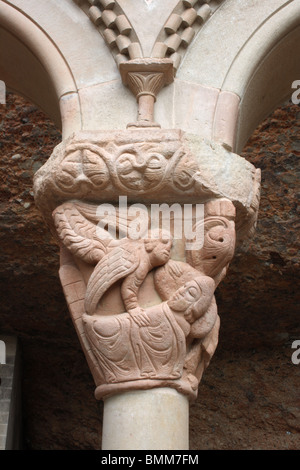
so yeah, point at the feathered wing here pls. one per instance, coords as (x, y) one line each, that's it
(115, 265)
(78, 233)
(114, 222)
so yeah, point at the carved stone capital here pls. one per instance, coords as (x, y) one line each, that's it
(140, 293)
(145, 318)
(145, 78)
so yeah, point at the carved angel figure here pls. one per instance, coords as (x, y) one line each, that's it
(123, 259)
(131, 261)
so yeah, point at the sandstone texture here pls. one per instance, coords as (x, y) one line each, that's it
(249, 395)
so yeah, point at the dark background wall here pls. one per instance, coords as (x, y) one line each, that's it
(249, 395)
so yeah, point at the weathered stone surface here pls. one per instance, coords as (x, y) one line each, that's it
(248, 398)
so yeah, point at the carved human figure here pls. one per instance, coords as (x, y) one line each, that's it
(202, 338)
(126, 351)
(175, 338)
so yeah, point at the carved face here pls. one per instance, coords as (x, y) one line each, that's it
(159, 250)
(185, 297)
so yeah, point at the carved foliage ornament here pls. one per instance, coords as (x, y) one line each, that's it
(168, 48)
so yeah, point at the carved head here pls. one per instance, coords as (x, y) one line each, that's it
(158, 247)
(193, 298)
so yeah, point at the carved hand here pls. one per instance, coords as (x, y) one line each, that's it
(139, 316)
(174, 269)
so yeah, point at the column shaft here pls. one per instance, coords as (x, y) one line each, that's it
(156, 419)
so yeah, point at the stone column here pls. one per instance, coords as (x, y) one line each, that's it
(147, 220)
(155, 419)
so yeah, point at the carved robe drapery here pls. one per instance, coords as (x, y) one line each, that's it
(127, 351)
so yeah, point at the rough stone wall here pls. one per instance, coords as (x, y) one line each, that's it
(249, 395)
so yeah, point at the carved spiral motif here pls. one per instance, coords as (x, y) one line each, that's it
(183, 173)
(82, 167)
(140, 171)
(218, 247)
(127, 167)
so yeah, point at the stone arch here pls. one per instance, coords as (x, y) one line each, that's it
(32, 65)
(264, 69)
(243, 62)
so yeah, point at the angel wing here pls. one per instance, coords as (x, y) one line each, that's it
(115, 265)
(122, 218)
(88, 229)
(78, 232)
